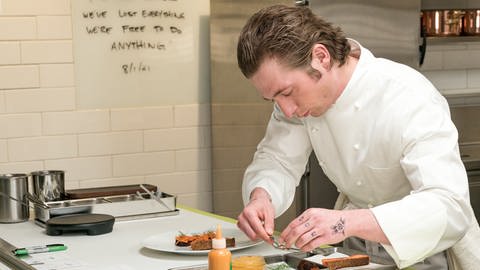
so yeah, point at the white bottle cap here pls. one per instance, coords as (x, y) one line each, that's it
(219, 242)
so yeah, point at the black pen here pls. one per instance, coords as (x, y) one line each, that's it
(39, 249)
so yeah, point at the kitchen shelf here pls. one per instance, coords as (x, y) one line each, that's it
(452, 39)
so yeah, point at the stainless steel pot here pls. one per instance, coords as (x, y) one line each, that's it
(442, 22)
(13, 200)
(471, 22)
(48, 185)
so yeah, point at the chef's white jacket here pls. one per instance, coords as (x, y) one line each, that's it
(388, 144)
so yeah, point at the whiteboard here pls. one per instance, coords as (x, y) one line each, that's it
(132, 53)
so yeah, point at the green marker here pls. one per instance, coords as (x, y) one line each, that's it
(39, 249)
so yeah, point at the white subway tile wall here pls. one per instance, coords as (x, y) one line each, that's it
(101, 144)
(3, 151)
(144, 163)
(17, 28)
(2, 102)
(35, 7)
(40, 99)
(41, 148)
(19, 167)
(168, 146)
(48, 51)
(10, 52)
(141, 118)
(177, 138)
(71, 122)
(454, 68)
(83, 168)
(18, 76)
(20, 125)
(54, 27)
(56, 75)
(192, 115)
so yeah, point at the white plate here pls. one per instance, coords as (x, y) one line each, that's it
(166, 242)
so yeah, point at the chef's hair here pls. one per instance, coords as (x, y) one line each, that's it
(288, 34)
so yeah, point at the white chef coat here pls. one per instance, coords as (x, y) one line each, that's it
(388, 143)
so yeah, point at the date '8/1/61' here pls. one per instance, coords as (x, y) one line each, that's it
(135, 67)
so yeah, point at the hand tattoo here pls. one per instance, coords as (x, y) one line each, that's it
(339, 227)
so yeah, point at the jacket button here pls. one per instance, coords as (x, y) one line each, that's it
(359, 182)
(356, 106)
(314, 129)
(356, 146)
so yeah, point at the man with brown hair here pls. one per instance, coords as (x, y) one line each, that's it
(382, 134)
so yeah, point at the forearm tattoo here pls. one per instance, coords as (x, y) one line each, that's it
(339, 227)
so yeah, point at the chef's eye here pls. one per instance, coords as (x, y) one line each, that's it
(287, 93)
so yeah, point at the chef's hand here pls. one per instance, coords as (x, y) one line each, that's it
(257, 218)
(313, 228)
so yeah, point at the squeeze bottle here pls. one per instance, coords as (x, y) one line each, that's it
(219, 258)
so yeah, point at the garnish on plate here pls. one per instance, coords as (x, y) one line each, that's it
(199, 241)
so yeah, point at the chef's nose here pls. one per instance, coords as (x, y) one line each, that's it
(288, 108)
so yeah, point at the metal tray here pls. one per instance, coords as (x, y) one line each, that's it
(293, 260)
(122, 207)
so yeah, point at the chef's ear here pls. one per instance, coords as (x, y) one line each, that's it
(320, 57)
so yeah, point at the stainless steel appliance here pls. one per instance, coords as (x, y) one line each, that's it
(389, 29)
(122, 207)
(470, 153)
(13, 200)
(48, 185)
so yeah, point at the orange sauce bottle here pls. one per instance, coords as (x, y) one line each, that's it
(219, 258)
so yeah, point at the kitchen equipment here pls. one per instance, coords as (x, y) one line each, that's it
(122, 207)
(17, 200)
(84, 193)
(13, 203)
(471, 22)
(447, 22)
(388, 28)
(154, 196)
(48, 185)
(36, 201)
(91, 224)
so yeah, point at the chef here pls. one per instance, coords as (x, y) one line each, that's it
(382, 134)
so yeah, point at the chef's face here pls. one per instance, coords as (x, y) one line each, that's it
(298, 93)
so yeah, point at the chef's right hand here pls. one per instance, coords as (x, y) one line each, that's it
(257, 218)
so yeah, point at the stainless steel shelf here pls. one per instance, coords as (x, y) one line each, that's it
(452, 39)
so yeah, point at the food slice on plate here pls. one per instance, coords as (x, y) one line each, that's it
(354, 260)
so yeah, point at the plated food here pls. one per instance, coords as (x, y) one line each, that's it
(354, 260)
(201, 241)
(165, 241)
(333, 263)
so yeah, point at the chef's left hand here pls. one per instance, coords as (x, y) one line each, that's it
(313, 228)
